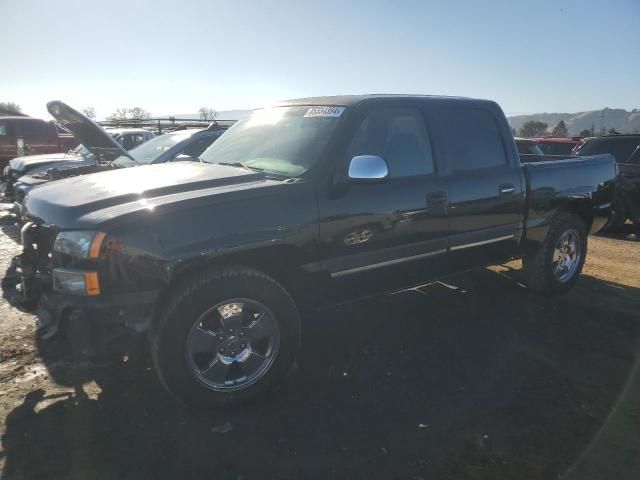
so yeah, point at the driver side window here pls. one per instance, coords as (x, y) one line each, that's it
(399, 135)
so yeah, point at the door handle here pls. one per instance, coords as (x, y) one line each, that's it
(507, 189)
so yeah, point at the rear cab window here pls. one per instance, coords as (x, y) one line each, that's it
(472, 138)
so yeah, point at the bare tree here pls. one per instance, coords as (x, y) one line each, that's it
(137, 113)
(120, 114)
(207, 114)
(89, 112)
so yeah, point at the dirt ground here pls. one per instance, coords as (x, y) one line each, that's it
(472, 378)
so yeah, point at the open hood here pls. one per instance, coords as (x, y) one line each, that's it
(88, 132)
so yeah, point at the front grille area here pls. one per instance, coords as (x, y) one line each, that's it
(36, 258)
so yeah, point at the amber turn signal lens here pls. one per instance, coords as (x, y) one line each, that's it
(96, 243)
(91, 284)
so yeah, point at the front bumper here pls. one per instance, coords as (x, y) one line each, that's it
(28, 283)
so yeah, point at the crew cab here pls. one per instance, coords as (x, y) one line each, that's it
(22, 135)
(625, 148)
(101, 150)
(312, 201)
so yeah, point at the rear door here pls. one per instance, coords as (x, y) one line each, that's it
(485, 183)
(375, 236)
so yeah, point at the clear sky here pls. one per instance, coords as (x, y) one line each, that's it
(174, 56)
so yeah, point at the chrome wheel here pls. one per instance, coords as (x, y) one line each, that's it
(567, 255)
(233, 344)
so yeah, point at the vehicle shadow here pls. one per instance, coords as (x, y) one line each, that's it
(628, 231)
(476, 377)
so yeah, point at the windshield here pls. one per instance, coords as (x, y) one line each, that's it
(151, 150)
(281, 140)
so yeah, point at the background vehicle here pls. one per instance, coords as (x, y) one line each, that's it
(558, 145)
(38, 137)
(626, 150)
(130, 138)
(526, 146)
(314, 200)
(26, 173)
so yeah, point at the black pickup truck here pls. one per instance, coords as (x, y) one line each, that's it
(311, 201)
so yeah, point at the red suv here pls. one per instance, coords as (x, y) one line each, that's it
(29, 136)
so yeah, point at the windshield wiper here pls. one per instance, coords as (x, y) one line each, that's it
(241, 165)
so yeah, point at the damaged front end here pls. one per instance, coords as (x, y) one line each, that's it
(64, 277)
(29, 276)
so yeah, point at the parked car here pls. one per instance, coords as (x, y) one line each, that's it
(100, 152)
(312, 201)
(130, 138)
(626, 150)
(526, 146)
(26, 135)
(558, 145)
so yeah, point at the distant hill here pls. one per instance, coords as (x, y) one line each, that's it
(622, 120)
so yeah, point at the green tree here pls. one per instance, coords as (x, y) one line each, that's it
(586, 133)
(533, 128)
(560, 130)
(10, 107)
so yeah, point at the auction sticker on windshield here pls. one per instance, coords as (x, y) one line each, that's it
(324, 112)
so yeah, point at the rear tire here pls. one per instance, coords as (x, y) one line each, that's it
(203, 346)
(553, 269)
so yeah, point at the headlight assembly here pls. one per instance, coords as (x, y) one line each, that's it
(76, 282)
(79, 243)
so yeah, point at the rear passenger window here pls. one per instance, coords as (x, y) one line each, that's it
(472, 138)
(3, 129)
(398, 135)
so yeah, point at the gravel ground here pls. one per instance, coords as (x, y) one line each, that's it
(472, 378)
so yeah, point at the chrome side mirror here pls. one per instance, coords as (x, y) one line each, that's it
(368, 167)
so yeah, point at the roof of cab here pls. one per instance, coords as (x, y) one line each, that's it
(355, 100)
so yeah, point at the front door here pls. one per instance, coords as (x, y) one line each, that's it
(376, 236)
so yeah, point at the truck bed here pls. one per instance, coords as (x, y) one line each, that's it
(551, 179)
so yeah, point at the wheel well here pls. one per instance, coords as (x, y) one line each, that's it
(282, 263)
(583, 209)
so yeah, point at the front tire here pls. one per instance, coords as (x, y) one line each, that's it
(225, 337)
(555, 267)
